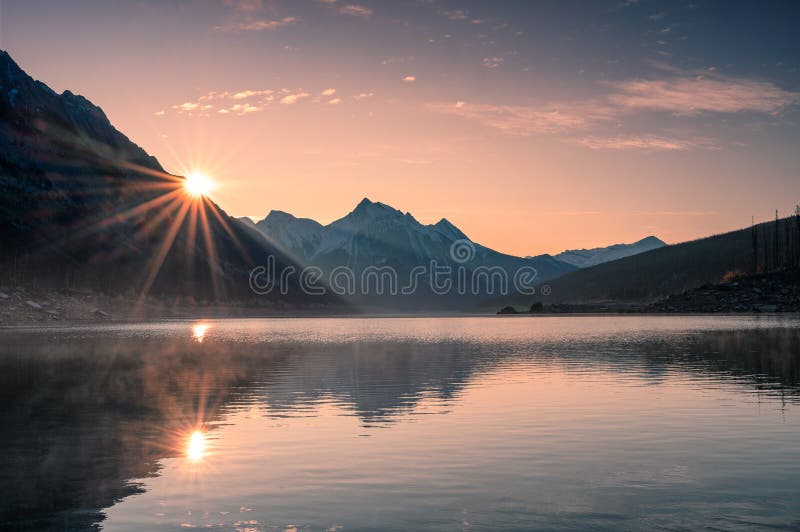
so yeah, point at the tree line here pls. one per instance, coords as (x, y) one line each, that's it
(776, 246)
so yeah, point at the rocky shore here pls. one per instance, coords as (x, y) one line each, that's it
(25, 305)
(774, 292)
(761, 293)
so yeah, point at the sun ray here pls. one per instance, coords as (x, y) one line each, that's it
(150, 226)
(158, 260)
(211, 251)
(191, 239)
(228, 230)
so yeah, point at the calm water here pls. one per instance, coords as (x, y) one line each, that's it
(567, 423)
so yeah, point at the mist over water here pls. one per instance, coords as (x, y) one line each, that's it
(403, 423)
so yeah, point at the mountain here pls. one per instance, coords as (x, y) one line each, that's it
(82, 206)
(676, 268)
(376, 235)
(584, 258)
(297, 236)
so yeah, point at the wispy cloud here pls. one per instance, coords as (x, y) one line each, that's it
(525, 120)
(245, 6)
(454, 14)
(694, 95)
(459, 14)
(409, 79)
(646, 142)
(356, 10)
(257, 24)
(492, 62)
(251, 101)
(680, 94)
(242, 109)
(291, 99)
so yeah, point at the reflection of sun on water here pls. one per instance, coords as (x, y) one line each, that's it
(196, 448)
(199, 331)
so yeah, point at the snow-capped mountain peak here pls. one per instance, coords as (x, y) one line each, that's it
(585, 258)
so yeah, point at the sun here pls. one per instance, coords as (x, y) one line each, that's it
(197, 184)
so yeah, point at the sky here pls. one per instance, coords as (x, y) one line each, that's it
(533, 126)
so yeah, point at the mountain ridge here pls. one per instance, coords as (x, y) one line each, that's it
(377, 235)
(585, 258)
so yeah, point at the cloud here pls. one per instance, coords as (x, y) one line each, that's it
(673, 213)
(291, 99)
(656, 16)
(189, 108)
(695, 95)
(681, 93)
(492, 62)
(526, 120)
(454, 14)
(245, 6)
(249, 94)
(409, 79)
(244, 109)
(363, 95)
(257, 24)
(358, 11)
(646, 142)
(252, 101)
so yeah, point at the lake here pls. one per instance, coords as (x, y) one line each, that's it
(462, 423)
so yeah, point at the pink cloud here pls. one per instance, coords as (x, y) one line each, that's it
(691, 96)
(646, 142)
(358, 11)
(257, 24)
(526, 120)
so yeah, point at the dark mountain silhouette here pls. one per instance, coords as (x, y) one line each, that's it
(672, 269)
(82, 206)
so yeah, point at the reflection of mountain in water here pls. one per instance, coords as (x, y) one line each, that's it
(87, 416)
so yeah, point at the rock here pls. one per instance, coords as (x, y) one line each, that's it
(101, 314)
(768, 308)
(508, 310)
(3, 295)
(33, 304)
